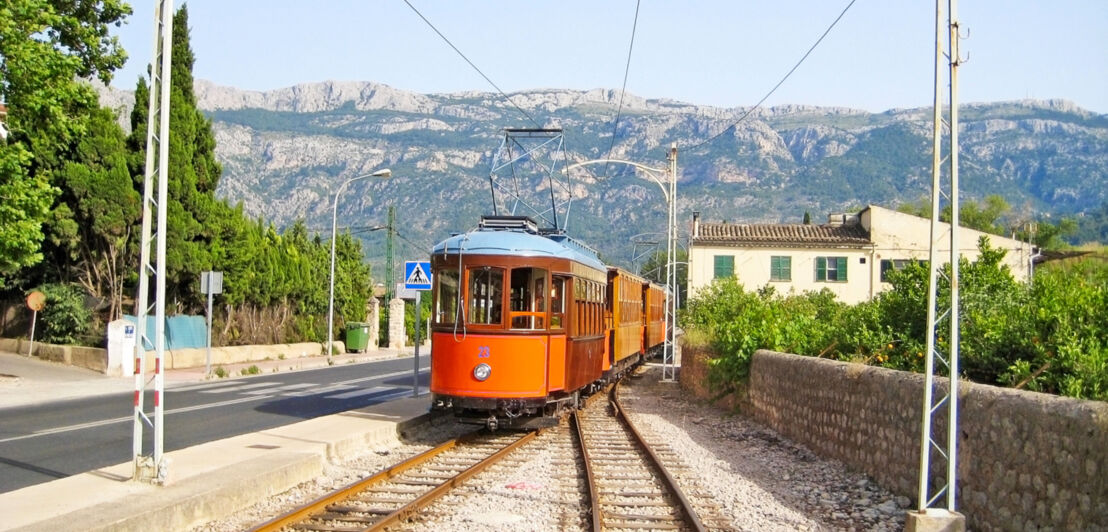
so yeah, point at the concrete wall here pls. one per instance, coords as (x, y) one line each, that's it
(96, 358)
(1027, 461)
(93, 358)
(897, 235)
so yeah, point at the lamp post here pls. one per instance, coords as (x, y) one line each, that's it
(334, 217)
(670, 195)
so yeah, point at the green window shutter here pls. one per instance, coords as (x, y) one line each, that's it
(724, 266)
(780, 268)
(821, 269)
(842, 269)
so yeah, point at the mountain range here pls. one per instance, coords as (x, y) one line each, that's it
(285, 152)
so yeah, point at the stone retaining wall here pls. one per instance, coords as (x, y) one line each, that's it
(1026, 461)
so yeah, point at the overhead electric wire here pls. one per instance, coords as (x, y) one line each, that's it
(623, 90)
(779, 83)
(505, 96)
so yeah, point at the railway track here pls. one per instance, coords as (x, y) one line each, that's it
(400, 491)
(630, 487)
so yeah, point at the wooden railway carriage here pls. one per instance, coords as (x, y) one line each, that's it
(523, 323)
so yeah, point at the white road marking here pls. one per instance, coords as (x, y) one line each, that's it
(340, 386)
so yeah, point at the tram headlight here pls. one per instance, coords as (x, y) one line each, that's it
(482, 371)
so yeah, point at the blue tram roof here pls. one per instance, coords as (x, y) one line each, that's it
(519, 243)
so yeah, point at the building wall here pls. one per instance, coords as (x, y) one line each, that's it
(752, 267)
(897, 235)
(894, 236)
(1026, 460)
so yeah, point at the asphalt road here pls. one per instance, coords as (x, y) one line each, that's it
(44, 442)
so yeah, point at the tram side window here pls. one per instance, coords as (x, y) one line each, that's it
(528, 298)
(446, 295)
(589, 302)
(557, 302)
(486, 291)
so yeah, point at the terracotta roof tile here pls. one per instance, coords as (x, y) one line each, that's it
(778, 234)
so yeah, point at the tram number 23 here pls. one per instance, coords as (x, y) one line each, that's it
(483, 351)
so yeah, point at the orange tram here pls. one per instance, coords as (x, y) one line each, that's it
(526, 322)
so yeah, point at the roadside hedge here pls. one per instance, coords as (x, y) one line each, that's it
(1049, 335)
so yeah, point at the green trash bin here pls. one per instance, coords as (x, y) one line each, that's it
(357, 336)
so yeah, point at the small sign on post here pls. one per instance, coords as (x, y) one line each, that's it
(36, 301)
(417, 276)
(211, 283)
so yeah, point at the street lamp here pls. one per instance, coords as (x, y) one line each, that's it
(334, 216)
(668, 361)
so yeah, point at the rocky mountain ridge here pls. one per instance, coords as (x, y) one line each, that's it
(285, 151)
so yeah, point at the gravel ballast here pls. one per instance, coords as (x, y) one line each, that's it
(760, 480)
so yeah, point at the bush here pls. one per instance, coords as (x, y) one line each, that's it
(1049, 336)
(66, 319)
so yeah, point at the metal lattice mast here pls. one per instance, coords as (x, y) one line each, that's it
(388, 257)
(153, 467)
(669, 369)
(935, 399)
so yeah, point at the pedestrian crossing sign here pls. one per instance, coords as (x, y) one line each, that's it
(417, 275)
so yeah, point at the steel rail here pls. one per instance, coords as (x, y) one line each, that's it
(435, 493)
(320, 505)
(594, 493)
(670, 482)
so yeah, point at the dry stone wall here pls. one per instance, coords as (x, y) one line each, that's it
(1026, 461)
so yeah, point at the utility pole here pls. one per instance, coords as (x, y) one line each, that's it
(669, 353)
(388, 268)
(936, 401)
(153, 468)
(388, 257)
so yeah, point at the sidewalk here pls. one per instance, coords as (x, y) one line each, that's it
(206, 482)
(29, 380)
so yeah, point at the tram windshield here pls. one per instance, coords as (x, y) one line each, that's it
(446, 295)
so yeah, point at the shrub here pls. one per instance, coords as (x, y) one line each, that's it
(65, 319)
(1050, 335)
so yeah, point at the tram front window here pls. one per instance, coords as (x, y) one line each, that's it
(528, 298)
(486, 289)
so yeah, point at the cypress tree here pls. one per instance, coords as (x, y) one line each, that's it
(193, 212)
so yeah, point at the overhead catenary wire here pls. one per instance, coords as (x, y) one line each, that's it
(779, 83)
(623, 89)
(491, 82)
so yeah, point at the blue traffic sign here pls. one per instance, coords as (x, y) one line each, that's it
(417, 275)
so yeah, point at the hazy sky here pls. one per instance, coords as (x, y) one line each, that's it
(725, 53)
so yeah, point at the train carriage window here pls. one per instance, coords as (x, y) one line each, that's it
(486, 290)
(446, 295)
(528, 298)
(557, 302)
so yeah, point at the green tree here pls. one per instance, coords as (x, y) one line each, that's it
(192, 210)
(986, 215)
(91, 228)
(45, 47)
